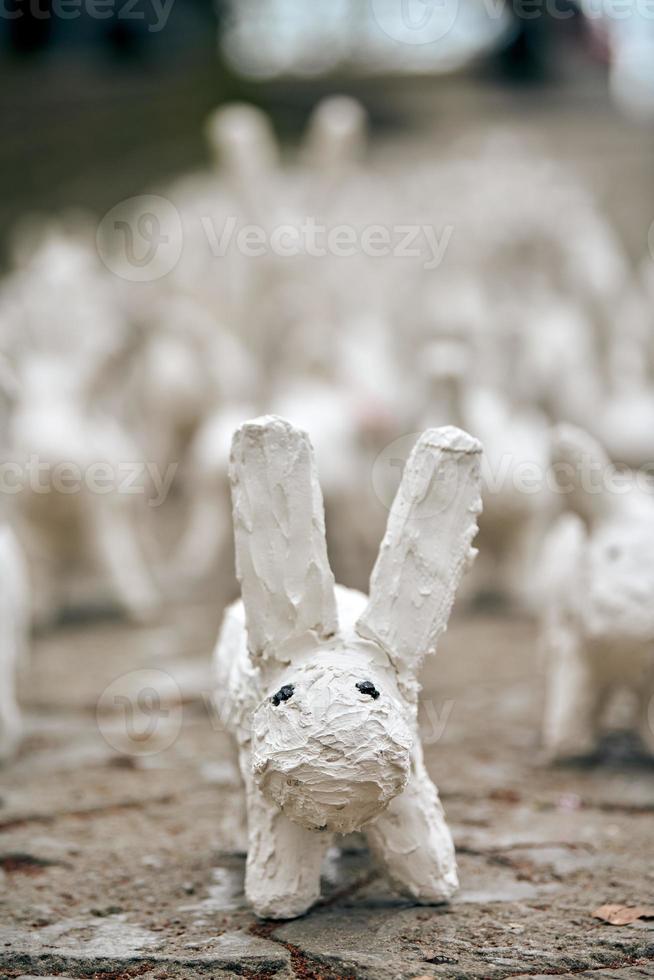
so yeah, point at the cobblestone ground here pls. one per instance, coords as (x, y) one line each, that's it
(120, 861)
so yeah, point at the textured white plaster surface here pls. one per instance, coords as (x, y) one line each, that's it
(318, 683)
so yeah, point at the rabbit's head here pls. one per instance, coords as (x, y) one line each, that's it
(332, 736)
(612, 563)
(332, 742)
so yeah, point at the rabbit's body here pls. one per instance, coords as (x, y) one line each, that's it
(318, 682)
(599, 616)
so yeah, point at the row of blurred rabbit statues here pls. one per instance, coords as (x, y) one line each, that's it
(496, 298)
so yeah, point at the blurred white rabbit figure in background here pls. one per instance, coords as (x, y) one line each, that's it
(14, 630)
(598, 578)
(515, 439)
(14, 597)
(77, 510)
(320, 681)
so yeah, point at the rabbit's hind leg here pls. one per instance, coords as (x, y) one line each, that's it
(413, 843)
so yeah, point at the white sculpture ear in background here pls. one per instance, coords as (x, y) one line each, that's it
(598, 598)
(242, 141)
(319, 684)
(515, 436)
(336, 136)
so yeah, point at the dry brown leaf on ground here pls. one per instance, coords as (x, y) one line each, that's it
(623, 915)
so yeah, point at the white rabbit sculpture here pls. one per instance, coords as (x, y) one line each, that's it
(14, 591)
(598, 583)
(14, 633)
(321, 681)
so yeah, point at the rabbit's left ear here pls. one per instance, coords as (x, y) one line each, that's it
(426, 548)
(279, 533)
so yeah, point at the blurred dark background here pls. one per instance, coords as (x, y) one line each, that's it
(97, 108)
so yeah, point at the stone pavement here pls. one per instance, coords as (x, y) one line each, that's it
(121, 828)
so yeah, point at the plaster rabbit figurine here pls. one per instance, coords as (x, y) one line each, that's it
(321, 680)
(514, 435)
(82, 546)
(598, 572)
(14, 632)
(14, 595)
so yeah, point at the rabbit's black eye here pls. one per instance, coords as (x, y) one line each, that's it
(367, 687)
(283, 694)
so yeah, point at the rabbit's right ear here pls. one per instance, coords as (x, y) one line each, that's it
(426, 548)
(279, 532)
(336, 134)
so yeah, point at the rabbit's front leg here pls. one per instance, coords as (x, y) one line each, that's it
(413, 842)
(10, 722)
(574, 697)
(282, 874)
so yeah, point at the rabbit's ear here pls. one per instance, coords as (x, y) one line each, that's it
(336, 134)
(580, 468)
(426, 548)
(279, 531)
(242, 140)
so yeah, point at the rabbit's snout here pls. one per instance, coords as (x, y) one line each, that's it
(334, 753)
